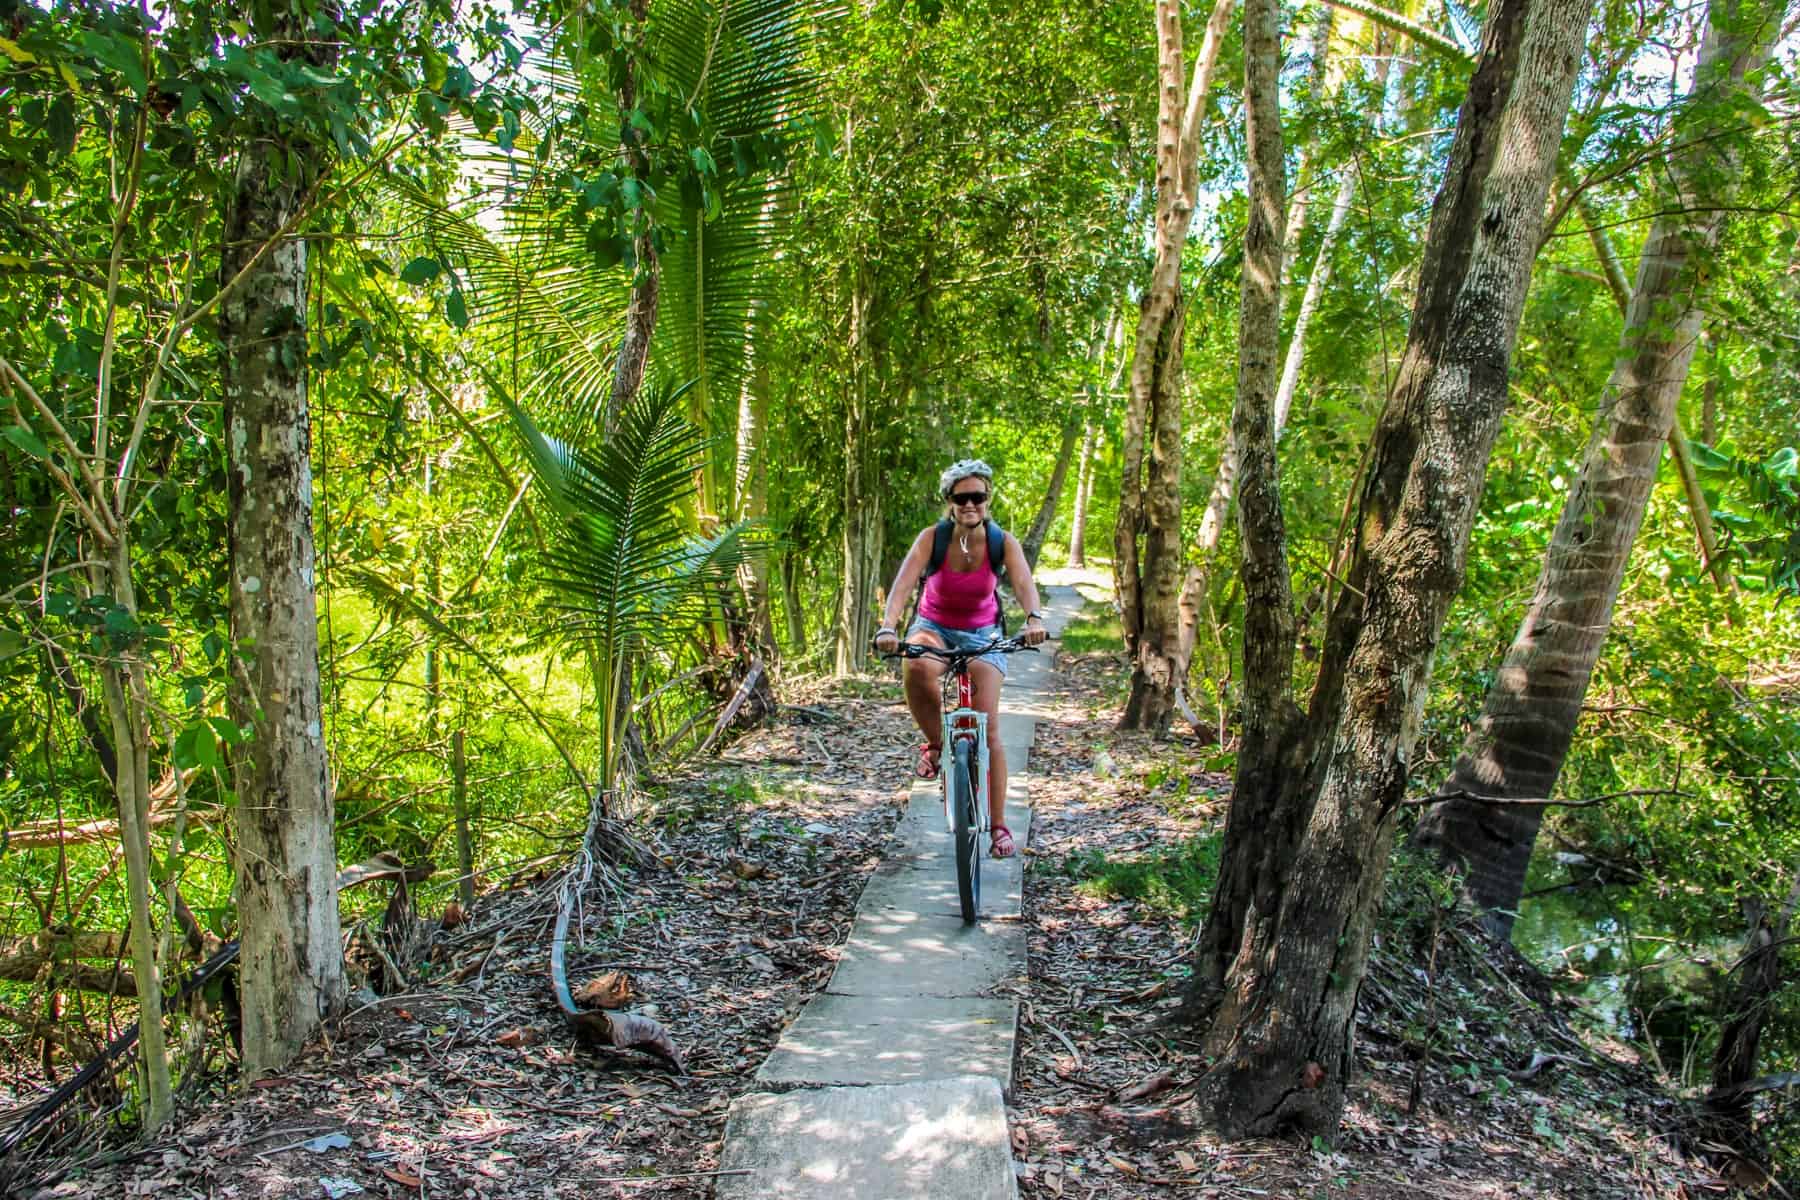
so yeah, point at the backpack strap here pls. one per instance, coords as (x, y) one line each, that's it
(940, 546)
(996, 549)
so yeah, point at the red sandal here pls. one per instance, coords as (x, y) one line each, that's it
(1002, 846)
(928, 761)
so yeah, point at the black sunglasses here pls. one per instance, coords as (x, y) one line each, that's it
(969, 498)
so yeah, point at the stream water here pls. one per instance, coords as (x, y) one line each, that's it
(1635, 974)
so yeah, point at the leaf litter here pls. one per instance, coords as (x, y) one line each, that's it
(1103, 1107)
(470, 1085)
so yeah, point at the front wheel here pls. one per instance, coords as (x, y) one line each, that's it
(961, 782)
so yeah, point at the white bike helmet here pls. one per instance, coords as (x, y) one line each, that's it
(964, 469)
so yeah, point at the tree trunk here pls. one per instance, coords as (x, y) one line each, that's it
(1084, 491)
(292, 964)
(793, 607)
(861, 542)
(640, 313)
(128, 704)
(1150, 488)
(1218, 502)
(1727, 1110)
(1517, 748)
(1033, 543)
(1313, 813)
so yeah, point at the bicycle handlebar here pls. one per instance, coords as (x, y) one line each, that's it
(1009, 645)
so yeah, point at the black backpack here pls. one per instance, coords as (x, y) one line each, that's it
(996, 540)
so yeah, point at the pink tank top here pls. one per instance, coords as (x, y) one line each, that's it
(961, 599)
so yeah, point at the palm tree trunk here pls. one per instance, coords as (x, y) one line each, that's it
(1313, 813)
(1516, 750)
(640, 313)
(862, 529)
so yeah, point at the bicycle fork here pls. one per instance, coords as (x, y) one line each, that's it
(965, 720)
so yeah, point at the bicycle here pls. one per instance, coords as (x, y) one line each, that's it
(964, 770)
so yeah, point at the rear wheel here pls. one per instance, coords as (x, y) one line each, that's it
(968, 832)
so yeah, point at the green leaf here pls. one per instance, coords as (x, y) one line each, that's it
(420, 271)
(25, 440)
(59, 123)
(456, 309)
(11, 643)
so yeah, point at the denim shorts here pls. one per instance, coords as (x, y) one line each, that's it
(963, 639)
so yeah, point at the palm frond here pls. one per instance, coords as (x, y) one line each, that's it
(628, 571)
(536, 301)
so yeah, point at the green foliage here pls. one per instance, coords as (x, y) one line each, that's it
(1757, 507)
(629, 573)
(1175, 880)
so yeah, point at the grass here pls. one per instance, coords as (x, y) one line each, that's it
(1176, 880)
(1096, 628)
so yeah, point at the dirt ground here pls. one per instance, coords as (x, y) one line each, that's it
(469, 1085)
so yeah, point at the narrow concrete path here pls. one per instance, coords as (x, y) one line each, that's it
(891, 1084)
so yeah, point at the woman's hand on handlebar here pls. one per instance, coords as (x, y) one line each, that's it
(887, 641)
(1034, 631)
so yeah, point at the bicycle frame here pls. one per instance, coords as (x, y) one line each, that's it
(966, 721)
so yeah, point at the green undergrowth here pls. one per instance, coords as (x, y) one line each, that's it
(1174, 880)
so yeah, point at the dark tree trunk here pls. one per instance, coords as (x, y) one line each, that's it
(640, 314)
(1318, 796)
(1725, 1115)
(1528, 721)
(291, 962)
(1033, 542)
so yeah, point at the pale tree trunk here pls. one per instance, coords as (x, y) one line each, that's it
(1084, 491)
(1150, 486)
(1313, 814)
(1517, 747)
(1218, 502)
(1033, 541)
(291, 962)
(751, 489)
(126, 690)
(861, 542)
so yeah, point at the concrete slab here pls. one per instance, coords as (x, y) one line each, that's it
(884, 1039)
(923, 833)
(928, 887)
(899, 953)
(945, 1137)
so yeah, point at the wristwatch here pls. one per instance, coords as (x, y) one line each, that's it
(1034, 615)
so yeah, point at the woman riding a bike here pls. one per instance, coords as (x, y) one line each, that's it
(960, 609)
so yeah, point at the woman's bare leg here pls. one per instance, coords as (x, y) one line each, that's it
(924, 697)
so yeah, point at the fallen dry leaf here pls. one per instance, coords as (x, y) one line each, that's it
(403, 1177)
(610, 989)
(517, 1036)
